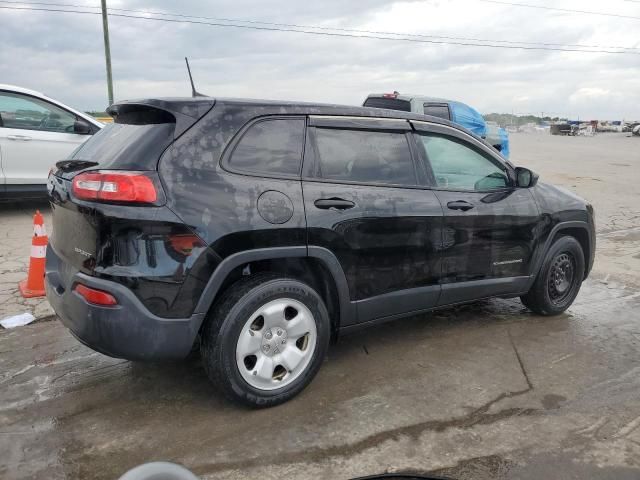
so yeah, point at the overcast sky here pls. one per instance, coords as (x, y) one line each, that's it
(61, 54)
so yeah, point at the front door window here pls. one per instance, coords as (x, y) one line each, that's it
(30, 113)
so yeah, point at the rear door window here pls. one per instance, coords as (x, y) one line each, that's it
(364, 156)
(271, 147)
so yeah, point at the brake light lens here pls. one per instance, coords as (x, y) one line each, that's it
(115, 186)
(95, 296)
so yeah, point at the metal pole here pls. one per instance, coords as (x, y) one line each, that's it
(107, 50)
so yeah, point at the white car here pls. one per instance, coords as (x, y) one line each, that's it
(35, 133)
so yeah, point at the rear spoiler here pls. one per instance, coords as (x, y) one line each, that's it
(185, 111)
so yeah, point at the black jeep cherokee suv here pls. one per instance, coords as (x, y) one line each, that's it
(265, 228)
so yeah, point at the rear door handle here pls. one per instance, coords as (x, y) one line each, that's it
(24, 138)
(460, 205)
(337, 203)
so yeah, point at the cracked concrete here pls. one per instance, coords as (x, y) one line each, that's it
(483, 391)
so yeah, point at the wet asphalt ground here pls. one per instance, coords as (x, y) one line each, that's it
(483, 391)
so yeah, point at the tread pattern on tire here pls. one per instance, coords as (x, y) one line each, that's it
(211, 345)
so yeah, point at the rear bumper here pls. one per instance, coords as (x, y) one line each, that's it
(127, 330)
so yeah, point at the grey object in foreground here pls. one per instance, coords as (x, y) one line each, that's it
(159, 471)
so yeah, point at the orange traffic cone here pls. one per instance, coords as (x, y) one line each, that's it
(33, 286)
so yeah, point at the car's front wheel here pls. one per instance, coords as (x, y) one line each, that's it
(559, 280)
(265, 340)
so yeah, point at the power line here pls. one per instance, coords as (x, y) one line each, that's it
(349, 30)
(566, 10)
(327, 34)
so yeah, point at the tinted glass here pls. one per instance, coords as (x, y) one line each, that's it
(30, 113)
(271, 147)
(460, 167)
(440, 111)
(364, 156)
(119, 145)
(390, 103)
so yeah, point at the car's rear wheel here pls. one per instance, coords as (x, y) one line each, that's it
(265, 340)
(559, 279)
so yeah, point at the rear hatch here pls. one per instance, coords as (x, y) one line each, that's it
(87, 215)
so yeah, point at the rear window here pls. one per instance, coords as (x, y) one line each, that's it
(390, 103)
(440, 110)
(364, 156)
(272, 146)
(127, 147)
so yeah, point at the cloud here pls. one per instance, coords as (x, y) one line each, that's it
(62, 55)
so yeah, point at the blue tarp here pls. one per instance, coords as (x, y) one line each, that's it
(504, 142)
(468, 117)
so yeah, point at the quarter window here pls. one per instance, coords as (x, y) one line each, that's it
(364, 156)
(30, 113)
(270, 147)
(460, 167)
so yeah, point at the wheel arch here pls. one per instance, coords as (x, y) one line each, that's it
(316, 266)
(582, 236)
(577, 229)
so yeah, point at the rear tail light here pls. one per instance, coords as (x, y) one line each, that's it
(95, 296)
(115, 186)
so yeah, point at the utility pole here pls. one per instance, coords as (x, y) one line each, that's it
(107, 50)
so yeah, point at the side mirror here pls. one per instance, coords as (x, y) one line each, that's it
(81, 127)
(525, 178)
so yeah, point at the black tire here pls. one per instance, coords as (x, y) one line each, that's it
(553, 291)
(226, 320)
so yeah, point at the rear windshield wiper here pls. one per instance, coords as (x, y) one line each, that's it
(72, 165)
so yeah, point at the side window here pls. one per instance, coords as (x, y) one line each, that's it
(458, 166)
(364, 156)
(440, 110)
(30, 113)
(271, 146)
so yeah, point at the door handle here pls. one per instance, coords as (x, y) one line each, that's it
(460, 205)
(337, 203)
(24, 138)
